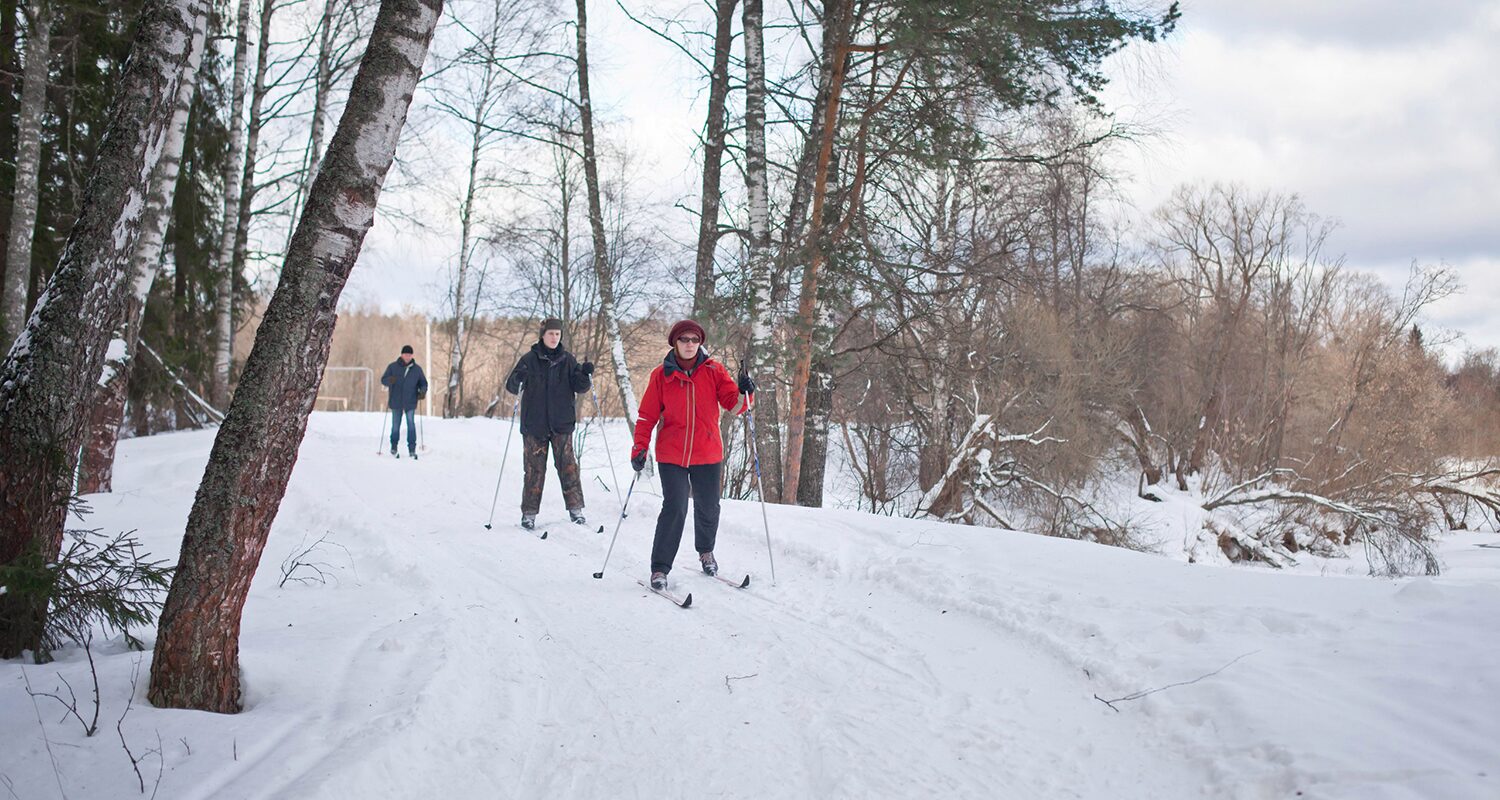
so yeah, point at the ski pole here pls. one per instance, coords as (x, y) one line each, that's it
(422, 430)
(599, 415)
(503, 457)
(611, 550)
(380, 445)
(761, 490)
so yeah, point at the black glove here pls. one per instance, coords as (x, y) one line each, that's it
(638, 461)
(747, 386)
(421, 395)
(587, 367)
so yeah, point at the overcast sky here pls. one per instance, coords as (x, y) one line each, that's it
(1381, 114)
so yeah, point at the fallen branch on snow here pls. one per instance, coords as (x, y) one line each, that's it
(728, 678)
(1139, 695)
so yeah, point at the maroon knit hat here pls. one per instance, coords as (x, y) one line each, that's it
(685, 326)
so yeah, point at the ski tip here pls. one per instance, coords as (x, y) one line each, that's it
(544, 534)
(601, 529)
(687, 601)
(745, 584)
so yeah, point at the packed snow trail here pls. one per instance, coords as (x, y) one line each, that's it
(893, 658)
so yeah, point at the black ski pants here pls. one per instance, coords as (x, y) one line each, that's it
(675, 480)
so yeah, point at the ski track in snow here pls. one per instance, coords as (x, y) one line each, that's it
(893, 658)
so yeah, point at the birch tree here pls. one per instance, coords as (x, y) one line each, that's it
(1014, 57)
(762, 313)
(259, 88)
(57, 358)
(224, 292)
(608, 310)
(28, 165)
(96, 472)
(476, 99)
(340, 28)
(713, 158)
(196, 662)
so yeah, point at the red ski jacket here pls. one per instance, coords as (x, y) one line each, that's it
(684, 404)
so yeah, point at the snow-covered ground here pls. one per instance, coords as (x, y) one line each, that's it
(891, 657)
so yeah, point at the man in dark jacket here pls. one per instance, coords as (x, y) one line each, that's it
(550, 377)
(406, 385)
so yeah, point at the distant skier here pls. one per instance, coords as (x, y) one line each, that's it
(407, 385)
(550, 376)
(684, 394)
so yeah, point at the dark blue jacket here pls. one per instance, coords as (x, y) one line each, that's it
(406, 384)
(550, 379)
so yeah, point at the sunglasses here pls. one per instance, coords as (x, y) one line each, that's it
(689, 339)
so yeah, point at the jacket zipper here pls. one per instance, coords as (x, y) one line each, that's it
(692, 420)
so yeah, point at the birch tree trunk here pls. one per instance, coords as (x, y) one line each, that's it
(819, 411)
(224, 263)
(10, 102)
(58, 356)
(481, 101)
(196, 663)
(96, 472)
(934, 424)
(322, 89)
(248, 188)
(762, 312)
(28, 164)
(607, 309)
(713, 158)
(466, 217)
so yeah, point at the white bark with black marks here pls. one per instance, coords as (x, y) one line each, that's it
(475, 103)
(28, 166)
(196, 662)
(258, 92)
(608, 312)
(454, 396)
(322, 88)
(58, 356)
(762, 312)
(713, 158)
(96, 473)
(224, 263)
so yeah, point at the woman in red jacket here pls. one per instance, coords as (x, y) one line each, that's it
(683, 398)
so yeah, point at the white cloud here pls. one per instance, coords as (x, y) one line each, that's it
(1382, 115)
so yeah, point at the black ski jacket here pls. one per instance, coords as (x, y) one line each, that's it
(550, 379)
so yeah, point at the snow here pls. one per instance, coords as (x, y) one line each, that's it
(114, 356)
(894, 658)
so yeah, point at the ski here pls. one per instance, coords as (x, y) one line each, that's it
(744, 584)
(540, 534)
(685, 602)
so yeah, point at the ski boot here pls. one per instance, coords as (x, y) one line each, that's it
(710, 566)
(413, 454)
(576, 514)
(659, 581)
(528, 521)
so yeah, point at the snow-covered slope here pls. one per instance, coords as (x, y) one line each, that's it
(891, 658)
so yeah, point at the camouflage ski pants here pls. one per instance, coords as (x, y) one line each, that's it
(535, 460)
